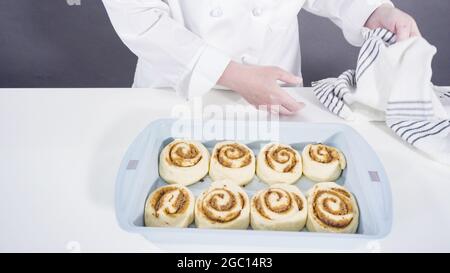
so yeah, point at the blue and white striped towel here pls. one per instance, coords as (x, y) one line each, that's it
(392, 83)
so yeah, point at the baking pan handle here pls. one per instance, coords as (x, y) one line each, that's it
(126, 179)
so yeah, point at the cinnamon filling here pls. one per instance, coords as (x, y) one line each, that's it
(233, 156)
(182, 154)
(280, 207)
(281, 155)
(165, 195)
(216, 210)
(327, 205)
(323, 154)
(259, 208)
(299, 201)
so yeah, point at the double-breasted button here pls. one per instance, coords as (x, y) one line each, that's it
(247, 59)
(257, 12)
(217, 12)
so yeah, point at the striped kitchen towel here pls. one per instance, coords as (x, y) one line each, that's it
(392, 83)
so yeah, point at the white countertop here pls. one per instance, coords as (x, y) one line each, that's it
(60, 151)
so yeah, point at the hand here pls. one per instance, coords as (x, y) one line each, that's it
(258, 86)
(395, 20)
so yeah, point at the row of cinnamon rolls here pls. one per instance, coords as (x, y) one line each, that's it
(328, 207)
(187, 162)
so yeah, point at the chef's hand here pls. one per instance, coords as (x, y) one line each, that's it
(258, 85)
(395, 20)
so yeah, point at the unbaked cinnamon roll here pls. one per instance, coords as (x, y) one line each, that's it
(183, 162)
(322, 163)
(169, 206)
(278, 163)
(223, 205)
(332, 208)
(232, 161)
(280, 207)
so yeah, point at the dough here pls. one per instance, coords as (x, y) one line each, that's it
(322, 163)
(279, 207)
(183, 162)
(224, 206)
(278, 163)
(169, 206)
(232, 161)
(332, 208)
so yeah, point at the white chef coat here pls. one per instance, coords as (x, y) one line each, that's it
(187, 44)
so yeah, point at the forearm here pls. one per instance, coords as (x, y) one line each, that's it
(395, 20)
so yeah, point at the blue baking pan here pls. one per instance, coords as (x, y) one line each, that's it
(364, 177)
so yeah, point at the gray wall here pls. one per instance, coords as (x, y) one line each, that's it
(47, 43)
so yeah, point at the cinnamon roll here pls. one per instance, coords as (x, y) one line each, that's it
(322, 163)
(183, 162)
(224, 206)
(280, 207)
(278, 163)
(332, 208)
(232, 161)
(169, 206)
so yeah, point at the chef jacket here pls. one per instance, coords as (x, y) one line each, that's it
(187, 44)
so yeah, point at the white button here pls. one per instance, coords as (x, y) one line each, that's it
(217, 12)
(257, 12)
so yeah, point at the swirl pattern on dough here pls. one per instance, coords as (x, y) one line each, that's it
(280, 207)
(278, 163)
(323, 153)
(322, 163)
(171, 205)
(183, 162)
(232, 161)
(223, 205)
(332, 209)
(281, 158)
(183, 154)
(233, 155)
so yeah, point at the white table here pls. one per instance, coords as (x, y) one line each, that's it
(60, 151)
